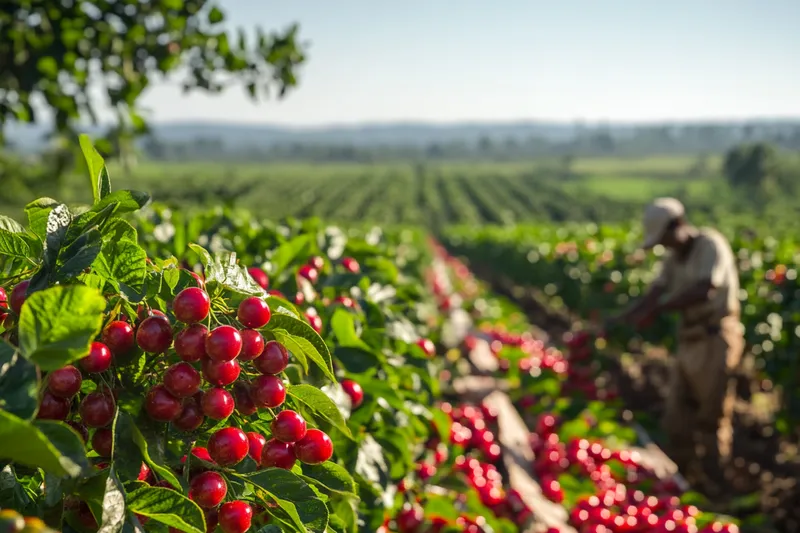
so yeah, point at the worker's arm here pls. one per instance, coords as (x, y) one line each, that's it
(708, 275)
(697, 292)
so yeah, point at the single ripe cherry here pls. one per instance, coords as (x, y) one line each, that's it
(18, 296)
(316, 262)
(154, 334)
(221, 373)
(202, 453)
(235, 517)
(315, 448)
(252, 344)
(410, 518)
(273, 360)
(268, 391)
(207, 489)
(190, 343)
(98, 360)
(102, 442)
(118, 336)
(315, 321)
(427, 346)
(308, 272)
(253, 313)
(97, 409)
(278, 454)
(191, 416)
(217, 403)
(256, 442)
(228, 446)
(259, 276)
(191, 305)
(353, 390)
(241, 397)
(53, 407)
(64, 382)
(288, 426)
(224, 343)
(351, 265)
(161, 405)
(182, 380)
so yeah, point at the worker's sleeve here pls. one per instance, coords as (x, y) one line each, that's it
(711, 262)
(664, 277)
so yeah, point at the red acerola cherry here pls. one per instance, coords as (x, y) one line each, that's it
(241, 397)
(253, 313)
(224, 343)
(256, 442)
(353, 390)
(278, 454)
(191, 305)
(207, 489)
(102, 442)
(201, 453)
(64, 382)
(315, 448)
(161, 405)
(98, 360)
(351, 265)
(53, 407)
(268, 391)
(273, 360)
(259, 276)
(82, 430)
(228, 446)
(182, 380)
(18, 296)
(154, 334)
(315, 321)
(221, 373)
(217, 403)
(252, 344)
(410, 518)
(190, 343)
(191, 416)
(427, 346)
(97, 409)
(288, 426)
(308, 272)
(235, 517)
(118, 336)
(317, 262)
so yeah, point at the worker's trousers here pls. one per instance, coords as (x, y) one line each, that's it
(699, 407)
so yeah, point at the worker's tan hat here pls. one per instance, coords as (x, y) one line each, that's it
(657, 217)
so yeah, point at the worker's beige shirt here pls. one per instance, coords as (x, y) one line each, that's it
(710, 258)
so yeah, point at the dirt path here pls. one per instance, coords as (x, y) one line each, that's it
(763, 463)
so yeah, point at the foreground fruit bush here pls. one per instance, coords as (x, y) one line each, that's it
(149, 383)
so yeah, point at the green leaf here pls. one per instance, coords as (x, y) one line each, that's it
(319, 403)
(113, 504)
(9, 224)
(215, 16)
(24, 443)
(80, 254)
(344, 328)
(19, 382)
(285, 254)
(37, 212)
(57, 325)
(331, 477)
(126, 431)
(98, 175)
(300, 337)
(225, 271)
(168, 507)
(13, 245)
(293, 495)
(65, 439)
(122, 261)
(127, 201)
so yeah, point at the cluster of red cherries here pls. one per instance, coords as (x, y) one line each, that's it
(616, 506)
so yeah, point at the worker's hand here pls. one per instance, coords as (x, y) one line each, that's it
(646, 318)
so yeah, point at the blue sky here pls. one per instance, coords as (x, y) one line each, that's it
(448, 60)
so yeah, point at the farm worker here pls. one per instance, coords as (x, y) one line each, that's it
(699, 280)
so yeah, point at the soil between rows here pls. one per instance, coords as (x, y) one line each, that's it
(764, 465)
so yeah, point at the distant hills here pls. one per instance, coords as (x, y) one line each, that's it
(412, 134)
